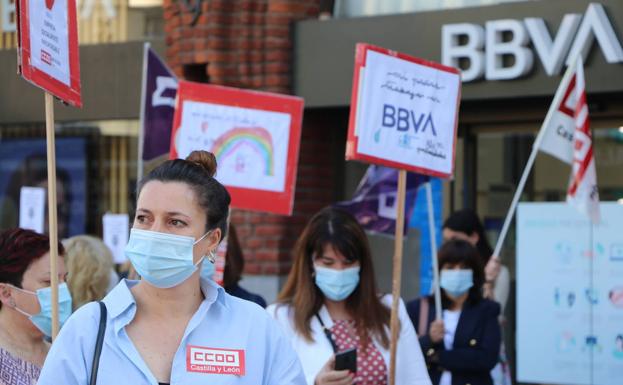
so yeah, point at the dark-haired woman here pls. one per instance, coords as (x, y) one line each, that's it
(25, 310)
(463, 346)
(465, 224)
(171, 327)
(330, 303)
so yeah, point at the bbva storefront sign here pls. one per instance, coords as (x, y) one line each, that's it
(485, 47)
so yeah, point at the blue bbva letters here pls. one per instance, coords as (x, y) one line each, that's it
(403, 119)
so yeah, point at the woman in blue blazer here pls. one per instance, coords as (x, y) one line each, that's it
(463, 346)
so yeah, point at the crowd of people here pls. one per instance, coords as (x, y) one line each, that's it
(171, 325)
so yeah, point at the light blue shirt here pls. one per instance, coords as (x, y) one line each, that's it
(223, 334)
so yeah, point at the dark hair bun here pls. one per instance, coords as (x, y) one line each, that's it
(205, 159)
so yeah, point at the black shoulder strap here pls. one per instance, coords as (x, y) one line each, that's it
(327, 333)
(98, 343)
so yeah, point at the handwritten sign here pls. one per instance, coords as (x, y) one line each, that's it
(32, 208)
(405, 112)
(116, 231)
(48, 46)
(254, 135)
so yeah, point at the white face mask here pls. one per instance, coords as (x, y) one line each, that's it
(164, 260)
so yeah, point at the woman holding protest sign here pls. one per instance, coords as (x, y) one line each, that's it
(25, 309)
(173, 327)
(463, 345)
(330, 305)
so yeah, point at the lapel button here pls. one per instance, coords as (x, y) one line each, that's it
(430, 352)
(472, 342)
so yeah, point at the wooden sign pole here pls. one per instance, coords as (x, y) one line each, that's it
(52, 218)
(397, 273)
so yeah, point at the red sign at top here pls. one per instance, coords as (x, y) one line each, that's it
(48, 47)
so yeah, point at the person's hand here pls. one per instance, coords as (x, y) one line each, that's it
(329, 376)
(436, 331)
(492, 270)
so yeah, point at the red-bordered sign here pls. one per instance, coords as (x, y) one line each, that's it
(254, 135)
(404, 112)
(48, 47)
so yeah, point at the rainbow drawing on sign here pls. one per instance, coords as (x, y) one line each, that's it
(258, 139)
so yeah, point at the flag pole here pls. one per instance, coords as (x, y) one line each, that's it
(433, 249)
(397, 273)
(560, 93)
(141, 127)
(52, 214)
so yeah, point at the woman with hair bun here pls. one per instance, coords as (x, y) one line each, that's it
(172, 327)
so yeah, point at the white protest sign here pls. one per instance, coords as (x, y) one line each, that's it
(251, 145)
(49, 39)
(116, 232)
(406, 112)
(32, 208)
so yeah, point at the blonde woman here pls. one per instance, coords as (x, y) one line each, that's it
(90, 269)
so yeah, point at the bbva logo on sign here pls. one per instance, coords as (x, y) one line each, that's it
(485, 47)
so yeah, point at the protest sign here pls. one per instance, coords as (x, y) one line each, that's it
(254, 135)
(48, 58)
(48, 47)
(404, 115)
(404, 112)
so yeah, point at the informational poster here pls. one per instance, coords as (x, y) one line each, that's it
(405, 112)
(116, 233)
(32, 209)
(569, 295)
(48, 46)
(254, 136)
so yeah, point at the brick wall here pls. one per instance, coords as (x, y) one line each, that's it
(247, 44)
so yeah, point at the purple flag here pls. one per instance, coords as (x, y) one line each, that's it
(374, 202)
(158, 106)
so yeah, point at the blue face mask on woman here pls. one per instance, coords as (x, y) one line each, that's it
(164, 260)
(456, 282)
(43, 319)
(337, 285)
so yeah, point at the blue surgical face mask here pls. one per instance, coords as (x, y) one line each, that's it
(164, 260)
(337, 285)
(43, 319)
(456, 282)
(208, 269)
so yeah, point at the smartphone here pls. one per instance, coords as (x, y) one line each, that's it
(346, 360)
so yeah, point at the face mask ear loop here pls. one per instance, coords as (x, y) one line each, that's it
(202, 237)
(209, 257)
(14, 305)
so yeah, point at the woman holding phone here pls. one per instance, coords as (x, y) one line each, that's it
(330, 304)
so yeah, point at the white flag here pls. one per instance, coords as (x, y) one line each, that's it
(582, 192)
(559, 124)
